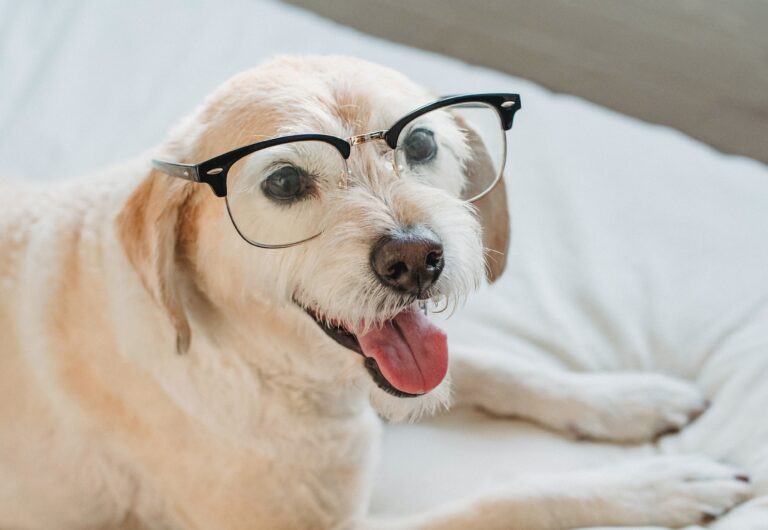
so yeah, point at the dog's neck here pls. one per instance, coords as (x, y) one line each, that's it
(288, 356)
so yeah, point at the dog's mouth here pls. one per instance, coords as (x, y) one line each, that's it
(406, 356)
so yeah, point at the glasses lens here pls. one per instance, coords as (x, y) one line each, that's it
(277, 196)
(460, 148)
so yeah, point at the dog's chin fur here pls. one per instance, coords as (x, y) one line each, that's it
(411, 409)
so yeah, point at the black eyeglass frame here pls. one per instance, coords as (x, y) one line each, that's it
(214, 170)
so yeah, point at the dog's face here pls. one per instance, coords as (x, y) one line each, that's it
(386, 243)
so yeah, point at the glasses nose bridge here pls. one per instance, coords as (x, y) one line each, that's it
(367, 137)
(361, 139)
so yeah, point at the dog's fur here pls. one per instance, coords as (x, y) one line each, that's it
(263, 421)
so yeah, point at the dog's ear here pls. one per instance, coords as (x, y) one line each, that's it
(494, 216)
(149, 227)
(492, 209)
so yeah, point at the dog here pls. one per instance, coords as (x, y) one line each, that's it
(159, 372)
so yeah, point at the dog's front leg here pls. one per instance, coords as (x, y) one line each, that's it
(607, 406)
(669, 491)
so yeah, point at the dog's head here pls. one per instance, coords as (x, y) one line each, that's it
(386, 242)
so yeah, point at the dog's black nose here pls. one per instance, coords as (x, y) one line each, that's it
(409, 261)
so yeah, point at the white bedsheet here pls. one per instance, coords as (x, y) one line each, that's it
(634, 247)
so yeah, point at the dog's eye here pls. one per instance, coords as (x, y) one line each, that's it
(420, 146)
(285, 184)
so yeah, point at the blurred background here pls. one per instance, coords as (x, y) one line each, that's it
(700, 66)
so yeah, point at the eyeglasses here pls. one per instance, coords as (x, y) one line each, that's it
(278, 191)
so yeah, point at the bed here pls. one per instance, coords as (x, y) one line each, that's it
(634, 247)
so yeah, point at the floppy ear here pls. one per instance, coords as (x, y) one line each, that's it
(492, 209)
(149, 228)
(494, 217)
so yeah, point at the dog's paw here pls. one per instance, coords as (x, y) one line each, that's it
(677, 491)
(632, 407)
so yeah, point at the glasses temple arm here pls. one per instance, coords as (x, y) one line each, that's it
(183, 171)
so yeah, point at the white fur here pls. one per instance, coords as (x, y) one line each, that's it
(265, 422)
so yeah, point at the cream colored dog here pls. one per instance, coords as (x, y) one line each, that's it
(262, 420)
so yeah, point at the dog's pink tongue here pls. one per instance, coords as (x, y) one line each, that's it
(411, 352)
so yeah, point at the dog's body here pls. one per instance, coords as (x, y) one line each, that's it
(262, 421)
